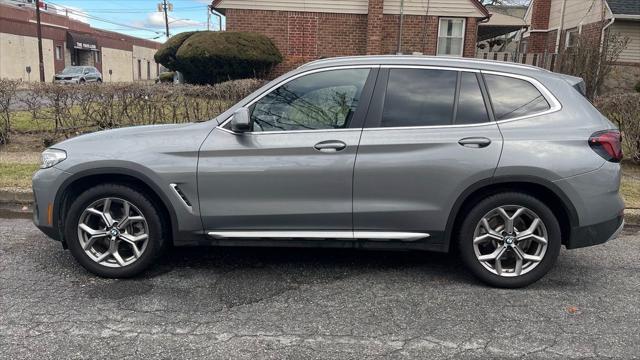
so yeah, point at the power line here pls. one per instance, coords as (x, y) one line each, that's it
(93, 17)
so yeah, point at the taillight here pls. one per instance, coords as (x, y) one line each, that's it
(608, 144)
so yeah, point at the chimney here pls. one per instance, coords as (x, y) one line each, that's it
(374, 27)
(540, 12)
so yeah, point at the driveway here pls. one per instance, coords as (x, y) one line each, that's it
(246, 303)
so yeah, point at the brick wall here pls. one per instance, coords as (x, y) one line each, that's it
(374, 26)
(306, 36)
(419, 34)
(470, 37)
(540, 12)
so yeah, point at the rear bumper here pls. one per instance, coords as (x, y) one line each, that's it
(595, 234)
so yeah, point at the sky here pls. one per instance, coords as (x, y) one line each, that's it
(140, 18)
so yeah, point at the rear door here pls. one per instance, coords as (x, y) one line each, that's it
(292, 175)
(428, 137)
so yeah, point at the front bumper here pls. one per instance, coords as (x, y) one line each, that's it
(46, 183)
(60, 81)
(595, 234)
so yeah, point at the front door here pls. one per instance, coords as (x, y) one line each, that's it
(293, 172)
(428, 137)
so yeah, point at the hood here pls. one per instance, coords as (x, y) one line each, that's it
(121, 133)
(139, 141)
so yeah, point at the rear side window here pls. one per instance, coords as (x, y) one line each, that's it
(513, 97)
(471, 108)
(419, 97)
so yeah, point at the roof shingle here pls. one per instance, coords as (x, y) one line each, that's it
(624, 7)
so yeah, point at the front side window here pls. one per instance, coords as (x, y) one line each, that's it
(451, 36)
(419, 97)
(323, 100)
(513, 97)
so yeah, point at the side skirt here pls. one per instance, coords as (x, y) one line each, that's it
(345, 235)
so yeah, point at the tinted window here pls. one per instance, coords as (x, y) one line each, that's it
(419, 97)
(514, 97)
(471, 108)
(324, 100)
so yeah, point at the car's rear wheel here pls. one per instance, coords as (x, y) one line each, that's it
(510, 240)
(114, 231)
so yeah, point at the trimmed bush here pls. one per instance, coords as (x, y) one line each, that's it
(166, 55)
(208, 57)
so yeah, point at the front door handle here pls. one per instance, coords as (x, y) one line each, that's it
(330, 146)
(475, 142)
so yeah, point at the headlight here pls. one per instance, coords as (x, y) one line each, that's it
(51, 157)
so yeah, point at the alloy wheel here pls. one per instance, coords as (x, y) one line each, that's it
(510, 240)
(113, 232)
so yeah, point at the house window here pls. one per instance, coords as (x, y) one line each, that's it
(451, 36)
(571, 38)
(139, 69)
(148, 70)
(96, 56)
(58, 52)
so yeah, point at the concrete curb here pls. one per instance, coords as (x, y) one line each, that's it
(16, 197)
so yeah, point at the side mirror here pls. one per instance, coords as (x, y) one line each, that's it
(241, 121)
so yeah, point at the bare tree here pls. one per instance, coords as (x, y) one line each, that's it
(592, 59)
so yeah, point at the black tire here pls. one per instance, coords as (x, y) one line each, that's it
(99, 81)
(157, 234)
(475, 215)
(81, 81)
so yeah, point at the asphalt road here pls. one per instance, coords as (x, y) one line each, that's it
(307, 304)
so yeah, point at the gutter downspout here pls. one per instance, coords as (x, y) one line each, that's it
(399, 52)
(559, 35)
(602, 35)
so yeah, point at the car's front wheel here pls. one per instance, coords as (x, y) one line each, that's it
(114, 231)
(510, 240)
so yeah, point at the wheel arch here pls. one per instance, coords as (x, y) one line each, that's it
(542, 189)
(79, 182)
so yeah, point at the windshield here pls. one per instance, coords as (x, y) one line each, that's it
(72, 70)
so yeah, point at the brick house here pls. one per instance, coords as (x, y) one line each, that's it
(555, 24)
(305, 30)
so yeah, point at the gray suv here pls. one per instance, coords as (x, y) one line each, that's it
(503, 163)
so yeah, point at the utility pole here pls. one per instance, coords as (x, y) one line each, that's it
(208, 17)
(165, 8)
(40, 61)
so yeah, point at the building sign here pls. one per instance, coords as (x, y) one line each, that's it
(85, 46)
(81, 41)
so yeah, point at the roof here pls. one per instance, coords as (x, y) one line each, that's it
(624, 7)
(499, 24)
(477, 3)
(424, 60)
(511, 10)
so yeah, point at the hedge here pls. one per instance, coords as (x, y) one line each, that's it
(208, 57)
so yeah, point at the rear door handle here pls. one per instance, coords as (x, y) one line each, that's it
(475, 142)
(330, 146)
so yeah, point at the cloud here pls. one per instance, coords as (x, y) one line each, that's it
(156, 20)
